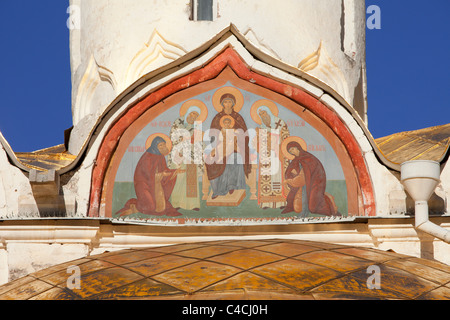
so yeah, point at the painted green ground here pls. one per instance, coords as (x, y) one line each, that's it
(123, 191)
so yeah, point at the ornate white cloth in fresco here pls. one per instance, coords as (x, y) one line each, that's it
(186, 193)
(272, 163)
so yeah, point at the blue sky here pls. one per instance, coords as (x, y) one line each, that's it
(408, 70)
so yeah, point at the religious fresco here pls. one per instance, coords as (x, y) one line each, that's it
(228, 152)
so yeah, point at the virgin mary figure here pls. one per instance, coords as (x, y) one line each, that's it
(228, 173)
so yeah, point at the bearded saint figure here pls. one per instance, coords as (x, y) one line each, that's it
(186, 193)
(272, 164)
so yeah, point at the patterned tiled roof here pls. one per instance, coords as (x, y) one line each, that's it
(251, 269)
(53, 158)
(424, 144)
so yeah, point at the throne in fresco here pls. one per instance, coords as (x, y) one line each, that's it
(230, 200)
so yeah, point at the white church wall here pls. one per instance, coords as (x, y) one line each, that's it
(443, 189)
(16, 196)
(388, 191)
(121, 41)
(27, 249)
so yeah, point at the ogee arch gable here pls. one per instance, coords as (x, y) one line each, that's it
(295, 159)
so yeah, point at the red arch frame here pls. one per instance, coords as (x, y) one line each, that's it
(228, 58)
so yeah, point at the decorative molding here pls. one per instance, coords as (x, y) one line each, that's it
(157, 52)
(323, 67)
(108, 76)
(91, 79)
(253, 38)
(397, 234)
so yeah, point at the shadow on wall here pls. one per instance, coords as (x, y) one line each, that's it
(46, 192)
(436, 205)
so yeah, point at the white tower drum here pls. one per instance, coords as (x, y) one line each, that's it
(117, 42)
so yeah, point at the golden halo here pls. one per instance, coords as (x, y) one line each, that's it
(227, 117)
(197, 103)
(269, 104)
(235, 92)
(286, 141)
(150, 139)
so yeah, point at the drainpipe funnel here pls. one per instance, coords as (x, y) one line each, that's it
(420, 178)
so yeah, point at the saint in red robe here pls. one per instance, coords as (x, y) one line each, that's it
(315, 180)
(153, 184)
